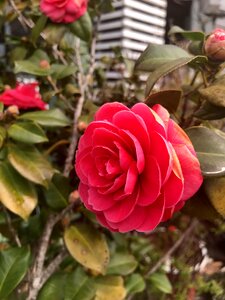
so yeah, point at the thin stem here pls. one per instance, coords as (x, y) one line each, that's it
(12, 229)
(178, 243)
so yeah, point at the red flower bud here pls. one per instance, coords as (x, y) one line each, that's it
(215, 45)
(44, 64)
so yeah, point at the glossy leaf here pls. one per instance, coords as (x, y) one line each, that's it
(14, 263)
(209, 111)
(49, 118)
(122, 264)
(58, 191)
(16, 193)
(53, 288)
(161, 282)
(79, 286)
(215, 190)
(155, 56)
(88, 247)
(61, 71)
(30, 67)
(170, 66)
(170, 99)
(190, 35)
(82, 27)
(30, 163)
(210, 148)
(135, 284)
(27, 132)
(110, 288)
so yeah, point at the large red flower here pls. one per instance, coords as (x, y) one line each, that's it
(136, 167)
(24, 96)
(63, 11)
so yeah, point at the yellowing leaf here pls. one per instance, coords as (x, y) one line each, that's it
(215, 190)
(88, 247)
(16, 193)
(110, 288)
(29, 162)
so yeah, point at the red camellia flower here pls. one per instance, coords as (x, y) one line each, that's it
(136, 166)
(215, 45)
(24, 96)
(63, 11)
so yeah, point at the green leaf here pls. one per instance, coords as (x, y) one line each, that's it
(210, 148)
(209, 111)
(170, 99)
(58, 192)
(14, 263)
(2, 136)
(1, 107)
(79, 286)
(110, 288)
(88, 247)
(215, 190)
(38, 28)
(61, 71)
(82, 27)
(155, 56)
(121, 264)
(190, 35)
(39, 55)
(169, 67)
(16, 193)
(161, 282)
(30, 163)
(135, 284)
(30, 67)
(27, 132)
(49, 118)
(53, 288)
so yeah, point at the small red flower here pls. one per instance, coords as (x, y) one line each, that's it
(63, 11)
(136, 167)
(24, 96)
(215, 45)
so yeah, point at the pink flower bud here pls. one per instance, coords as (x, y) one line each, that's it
(215, 45)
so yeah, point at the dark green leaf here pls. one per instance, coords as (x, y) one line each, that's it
(30, 163)
(121, 264)
(161, 282)
(58, 192)
(170, 99)
(38, 28)
(88, 246)
(135, 284)
(49, 118)
(62, 71)
(79, 286)
(27, 132)
(210, 148)
(190, 35)
(53, 288)
(208, 111)
(155, 56)
(82, 27)
(16, 193)
(13, 267)
(169, 67)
